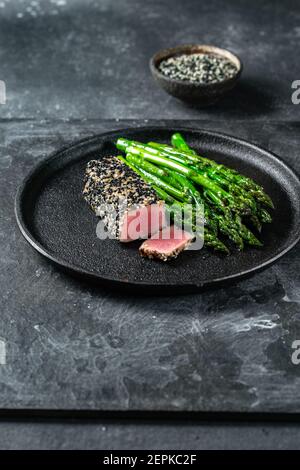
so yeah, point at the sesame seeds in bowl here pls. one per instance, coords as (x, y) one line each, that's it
(196, 73)
(198, 68)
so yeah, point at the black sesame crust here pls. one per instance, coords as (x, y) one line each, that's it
(109, 181)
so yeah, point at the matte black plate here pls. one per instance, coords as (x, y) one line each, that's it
(58, 223)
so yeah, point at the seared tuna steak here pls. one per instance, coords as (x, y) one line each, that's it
(128, 206)
(166, 244)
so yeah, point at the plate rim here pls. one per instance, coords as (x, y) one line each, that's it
(82, 272)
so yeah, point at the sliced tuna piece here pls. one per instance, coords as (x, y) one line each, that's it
(128, 206)
(142, 222)
(166, 244)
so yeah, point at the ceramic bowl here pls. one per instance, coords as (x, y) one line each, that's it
(198, 93)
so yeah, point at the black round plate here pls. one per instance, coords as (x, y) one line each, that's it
(57, 222)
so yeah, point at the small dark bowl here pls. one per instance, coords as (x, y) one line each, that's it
(198, 93)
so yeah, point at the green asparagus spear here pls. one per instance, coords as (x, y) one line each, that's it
(182, 169)
(246, 234)
(236, 231)
(175, 208)
(225, 194)
(162, 173)
(221, 175)
(225, 227)
(241, 201)
(155, 180)
(189, 155)
(231, 174)
(179, 143)
(211, 240)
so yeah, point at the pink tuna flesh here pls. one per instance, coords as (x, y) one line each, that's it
(142, 222)
(166, 244)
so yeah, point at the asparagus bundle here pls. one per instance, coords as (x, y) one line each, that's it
(179, 175)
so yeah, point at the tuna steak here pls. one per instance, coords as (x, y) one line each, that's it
(166, 244)
(128, 206)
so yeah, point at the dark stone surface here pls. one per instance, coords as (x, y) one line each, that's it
(75, 346)
(81, 59)
(140, 434)
(87, 58)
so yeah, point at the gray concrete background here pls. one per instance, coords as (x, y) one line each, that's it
(89, 58)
